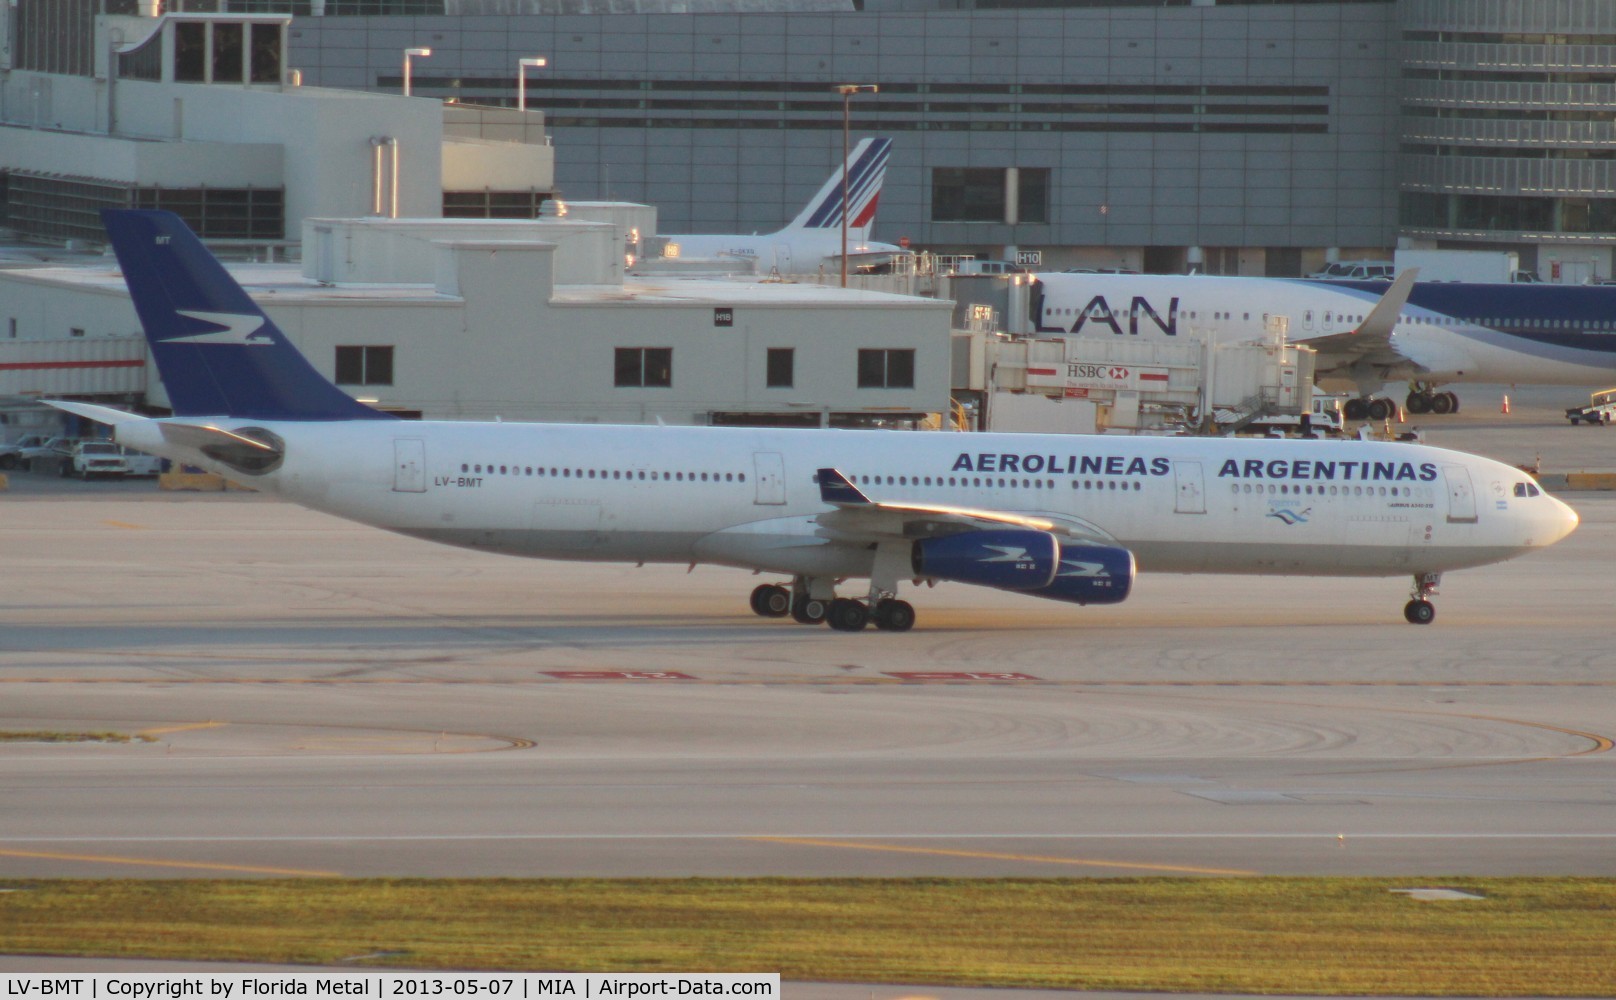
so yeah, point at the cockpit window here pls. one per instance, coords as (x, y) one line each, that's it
(1526, 490)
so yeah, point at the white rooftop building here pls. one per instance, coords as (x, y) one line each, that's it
(524, 321)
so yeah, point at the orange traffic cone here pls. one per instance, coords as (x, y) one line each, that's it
(1506, 404)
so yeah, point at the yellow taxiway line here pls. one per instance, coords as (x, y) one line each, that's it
(152, 863)
(997, 856)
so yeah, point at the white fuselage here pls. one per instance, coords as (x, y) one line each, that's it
(1481, 342)
(749, 497)
(788, 251)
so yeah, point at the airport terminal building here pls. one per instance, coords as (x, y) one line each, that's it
(1252, 138)
(1236, 136)
(1243, 137)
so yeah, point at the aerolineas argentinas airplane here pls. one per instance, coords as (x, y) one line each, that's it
(1367, 333)
(1057, 516)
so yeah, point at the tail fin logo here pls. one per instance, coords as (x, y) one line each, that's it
(240, 330)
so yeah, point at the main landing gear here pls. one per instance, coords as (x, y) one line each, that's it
(1378, 408)
(813, 601)
(1419, 610)
(1423, 398)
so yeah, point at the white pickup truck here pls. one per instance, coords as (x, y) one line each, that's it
(95, 458)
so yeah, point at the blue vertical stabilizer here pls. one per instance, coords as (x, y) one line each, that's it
(217, 352)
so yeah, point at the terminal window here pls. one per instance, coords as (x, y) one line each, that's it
(367, 365)
(990, 194)
(781, 369)
(886, 368)
(643, 367)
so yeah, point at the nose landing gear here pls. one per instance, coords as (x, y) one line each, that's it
(1419, 610)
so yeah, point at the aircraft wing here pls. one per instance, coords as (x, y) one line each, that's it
(1371, 342)
(857, 518)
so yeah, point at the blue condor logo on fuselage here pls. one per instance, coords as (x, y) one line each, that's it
(1099, 312)
(1359, 472)
(1061, 465)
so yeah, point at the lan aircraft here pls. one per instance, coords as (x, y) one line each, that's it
(1069, 518)
(814, 237)
(1367, 333)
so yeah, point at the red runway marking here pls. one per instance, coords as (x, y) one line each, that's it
(618, 675)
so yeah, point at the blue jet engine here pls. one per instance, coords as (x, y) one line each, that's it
(1030, 562)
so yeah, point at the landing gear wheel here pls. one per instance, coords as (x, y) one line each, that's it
(848, 615)
(1380, 409)
(1444, 402)
(809, 610)
(893, 616)
(1453, 398)
(771, 601)
(1420, 402)
(1355, 409)
(1419, 612)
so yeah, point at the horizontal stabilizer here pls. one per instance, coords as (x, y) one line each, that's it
(92, 411)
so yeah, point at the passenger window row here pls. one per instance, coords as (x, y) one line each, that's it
(1285, 489)
(632, 474)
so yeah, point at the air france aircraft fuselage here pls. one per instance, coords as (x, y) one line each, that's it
(814, 237)
(1070, 518)
(1444, 332)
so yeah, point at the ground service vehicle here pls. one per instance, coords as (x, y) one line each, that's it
(1600, 409)
(1477, 266)
(95, 458)
(1357, 270)
(1324, 418)
(140, 463)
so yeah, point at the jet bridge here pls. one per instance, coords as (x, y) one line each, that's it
(1128, 386)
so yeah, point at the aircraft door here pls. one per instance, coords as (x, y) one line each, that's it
(1461, 495)
(782, 258)
(409, 465)
(770, 470)
(1191, 488)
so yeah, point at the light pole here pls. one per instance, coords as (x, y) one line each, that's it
(847, 90)
(521, 79)
(408, 55)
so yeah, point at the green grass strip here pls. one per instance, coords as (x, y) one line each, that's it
(1537, 936)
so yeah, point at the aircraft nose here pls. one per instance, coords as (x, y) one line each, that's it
(1562, 521)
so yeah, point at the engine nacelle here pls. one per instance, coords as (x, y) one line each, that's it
(1009, 558)
(1091, 574)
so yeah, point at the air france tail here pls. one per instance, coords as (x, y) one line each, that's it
(866, 168)
(218, 353)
